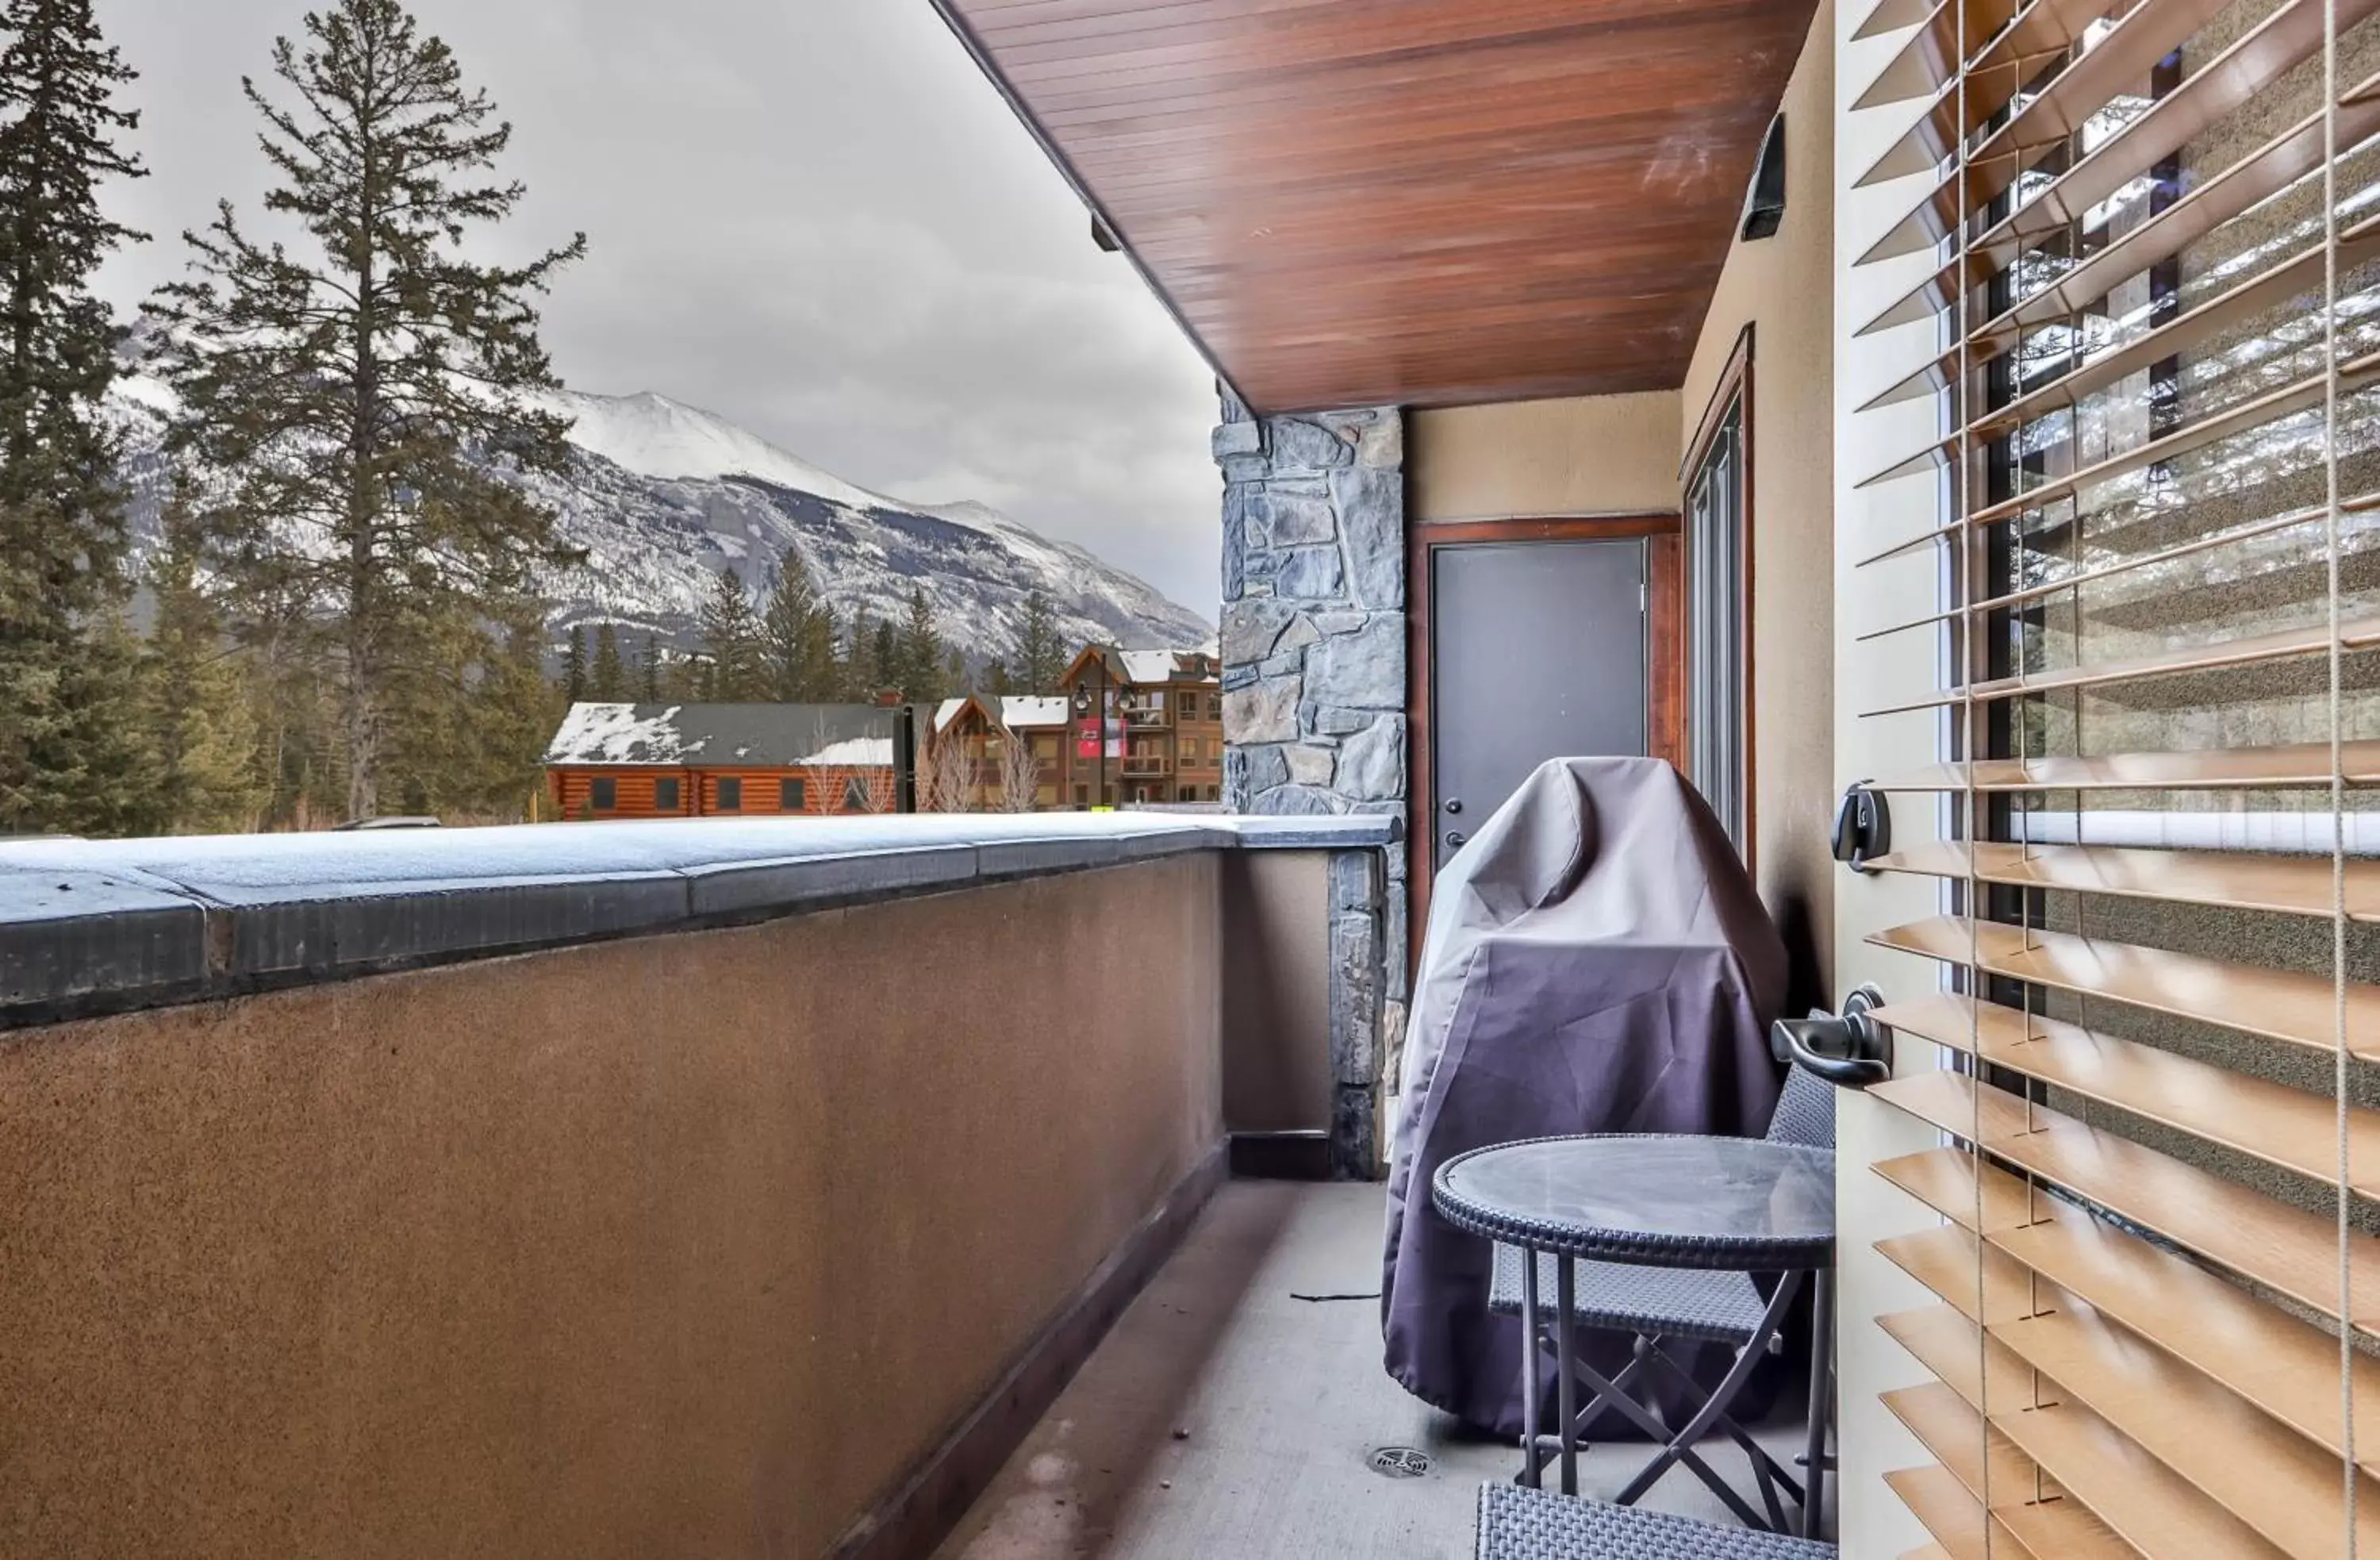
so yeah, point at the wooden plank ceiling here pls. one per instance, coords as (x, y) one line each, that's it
(1357, 202)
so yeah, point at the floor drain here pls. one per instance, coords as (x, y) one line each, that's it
(1401, 1462)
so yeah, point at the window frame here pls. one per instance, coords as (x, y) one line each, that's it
(666, 794)
(728, 792)
(1721, 566)
(604, 792)
(792, 794)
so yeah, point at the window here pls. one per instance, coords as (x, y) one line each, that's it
(2128, 546)
(793, 795)
(665, 796)
(854, 795)
(731, 795)
(1716, 694)
(604, 794)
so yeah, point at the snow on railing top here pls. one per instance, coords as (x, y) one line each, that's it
(92, 924)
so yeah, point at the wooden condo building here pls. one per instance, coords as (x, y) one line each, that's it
(1146, 728)
(704, 761)
(977, 733)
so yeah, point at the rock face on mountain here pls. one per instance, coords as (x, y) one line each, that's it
(664, 497)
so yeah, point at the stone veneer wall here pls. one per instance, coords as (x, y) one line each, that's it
(1314, 698)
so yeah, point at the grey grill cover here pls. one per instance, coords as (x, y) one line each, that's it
(1596, 961)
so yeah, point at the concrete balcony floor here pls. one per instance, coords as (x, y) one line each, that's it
(1284, 1401)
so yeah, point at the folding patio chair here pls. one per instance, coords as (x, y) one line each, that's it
(1522, 1523)
(1668, 1306)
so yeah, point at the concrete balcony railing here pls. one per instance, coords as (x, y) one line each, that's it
(693, 1188)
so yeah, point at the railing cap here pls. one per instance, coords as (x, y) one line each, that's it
(91, 925)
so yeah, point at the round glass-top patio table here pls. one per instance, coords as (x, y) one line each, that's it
(1744, 1204)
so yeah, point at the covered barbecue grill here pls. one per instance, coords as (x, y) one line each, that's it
(1595, 961)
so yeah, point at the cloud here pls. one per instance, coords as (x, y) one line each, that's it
(816, 218)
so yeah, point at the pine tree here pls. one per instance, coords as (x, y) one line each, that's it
(357, 386)
(610, 681)
(648, 671)
(920, 670)
(733, 647)
(510, 716)
(884, 658)
(71, 758)
(855, 682)
(198, 711)
(574, 665)
(996, 680)
(1040, 653)
(798, 632)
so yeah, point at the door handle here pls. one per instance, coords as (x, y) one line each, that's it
(1455, 838)
(1850, 1049)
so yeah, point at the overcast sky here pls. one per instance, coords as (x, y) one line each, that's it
(813, 216)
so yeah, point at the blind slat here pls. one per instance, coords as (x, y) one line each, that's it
(1892, 16)
(1947, 1426)
(2284, 1366)
(1943, 1506)
(2247, 650)
(2283, 1247)
(2281, 1126)
(2290, 765)
(2143, 1500)
(2130, 563)
(2276, 1003)
(2300, 886)
(2274, 1482)
(2126, 53)
(2002, 55)
(2271, 168)
(2259, 294)
(2233, 77)
(1974, 1279)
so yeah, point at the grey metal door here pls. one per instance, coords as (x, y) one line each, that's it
(1537, 652)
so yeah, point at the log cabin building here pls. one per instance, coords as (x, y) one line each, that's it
(737, 760)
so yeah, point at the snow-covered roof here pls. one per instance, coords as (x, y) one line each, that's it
(1148, 665)
(724, 735)
(853, 752)
(1022, 712)
(617, 734)
(946, 713)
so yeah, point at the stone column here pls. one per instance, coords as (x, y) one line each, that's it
(1314, 694)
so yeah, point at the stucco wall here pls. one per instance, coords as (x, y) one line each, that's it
(684, 1244)
(1783, 288)
(1276, 1072)
(1583, 455)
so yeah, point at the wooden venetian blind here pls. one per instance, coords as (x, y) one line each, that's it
(2148, 317)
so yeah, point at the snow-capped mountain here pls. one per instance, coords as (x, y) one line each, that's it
(664, 497)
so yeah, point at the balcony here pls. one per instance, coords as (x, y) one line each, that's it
(1147, 717)
(1147, 766)
(604, 1190)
